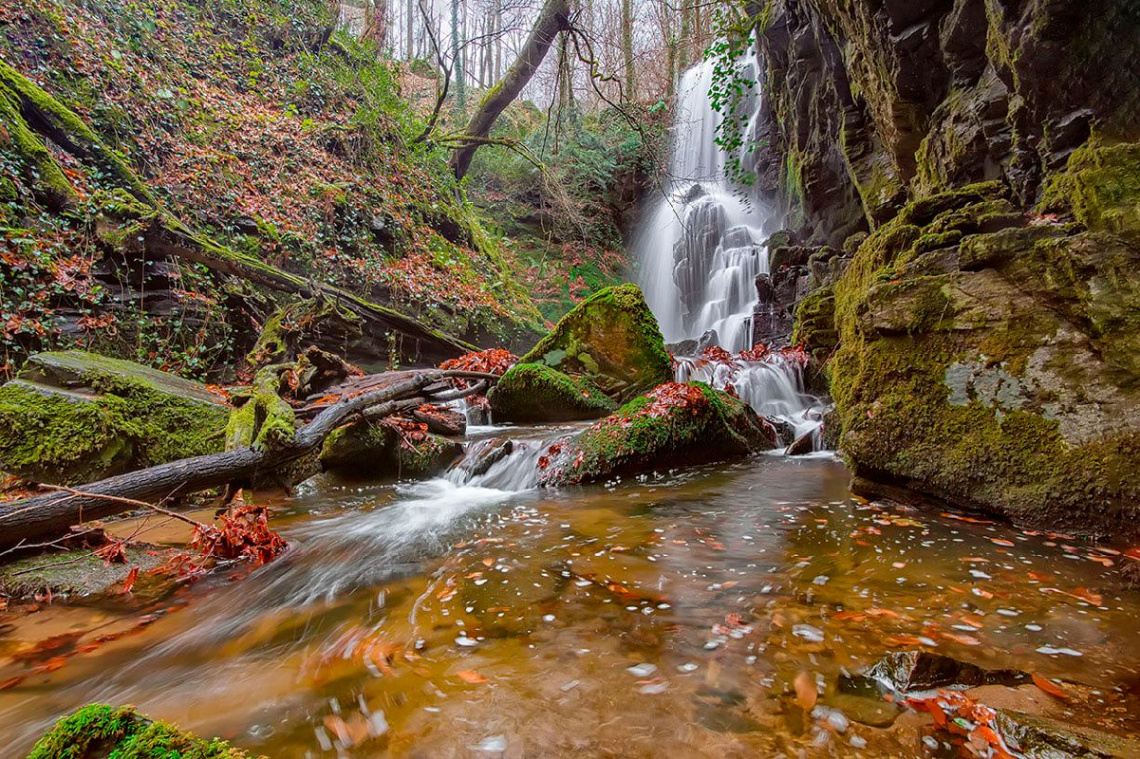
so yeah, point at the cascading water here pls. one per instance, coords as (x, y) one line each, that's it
(702, 255)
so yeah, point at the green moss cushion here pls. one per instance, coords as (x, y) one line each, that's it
(676, 425)
(98, 730)
(73, 417)
(613, 339)
(373, 450)
(537, 393)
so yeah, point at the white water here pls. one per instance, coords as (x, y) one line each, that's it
(701, 251)
(700, 247)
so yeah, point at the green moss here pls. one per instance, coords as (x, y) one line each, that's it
(98, 730)
(1101, 187)
(373, 450)
(815, 323)
(931, 375)
(613, 338)
(38, 165)
(265, 420)
(70, 131)
(75, 417)
(537, 393)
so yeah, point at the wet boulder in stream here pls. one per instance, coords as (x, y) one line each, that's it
(537, 393)
(676, 425)
(612, 339)
(386, 449)
(71, 417)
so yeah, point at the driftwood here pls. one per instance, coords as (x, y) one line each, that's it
(50, 515)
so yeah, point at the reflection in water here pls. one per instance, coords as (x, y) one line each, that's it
(662, 617)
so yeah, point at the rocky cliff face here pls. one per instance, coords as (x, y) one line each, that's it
(969, 173)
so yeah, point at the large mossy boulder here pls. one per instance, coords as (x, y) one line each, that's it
(675, 425)
(386, 450)
(537, 393)
(612, 339)
(992, 359)
(72, 417)
(97, 731)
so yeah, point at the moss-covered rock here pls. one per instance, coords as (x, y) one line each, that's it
(72, 417)
(99, 730)
(997, 371)
(378, 450)
(537, 393)
(815, 323)
(613, 339)
(676, 425)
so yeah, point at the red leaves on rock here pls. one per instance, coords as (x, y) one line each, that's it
(244, 534)
(115, 552)
(757, 352)
(493, 361)
(410, 432)
(672, 395)
(129, 581)
(959, 714)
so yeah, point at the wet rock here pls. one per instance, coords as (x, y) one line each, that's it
(72, 417)
(785, 431)
(102, 730)
(676, 425)
(442, 421)
(379, 450)
(612, 339)
(906, 671)
(724, 720)
(805, 443)
(870, 710)
(831, 429)
(537, 393)
(484, 454)
(79, 572)
(1036, 737)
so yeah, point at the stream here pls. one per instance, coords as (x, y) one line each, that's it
(660, 616)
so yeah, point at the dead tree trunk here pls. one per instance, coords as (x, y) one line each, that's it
(47, 516)
(555, 18)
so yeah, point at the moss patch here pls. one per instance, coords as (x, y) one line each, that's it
(611, 337)
(537, 393)
(971, 383)
(75, 417)
(98, 730)
(374, 450)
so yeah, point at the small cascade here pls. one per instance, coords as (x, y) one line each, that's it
(704, 267)
(772, 386)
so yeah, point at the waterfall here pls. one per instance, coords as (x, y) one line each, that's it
(701, 246)
(703, 261)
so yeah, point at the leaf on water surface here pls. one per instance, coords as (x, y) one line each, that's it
(806, 692)
(1002, 542)
(471, 677)
(1050, 687)
(1080, 594)
(130, 581)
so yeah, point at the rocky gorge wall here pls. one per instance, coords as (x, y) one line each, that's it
(964, 177)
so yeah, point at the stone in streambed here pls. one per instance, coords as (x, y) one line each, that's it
(1036, 737)
(537, 393)
(99, 730)
(905, 671)
(802, 445)
(676, 425)
(612, 339)
(375, 450)
(72, 417)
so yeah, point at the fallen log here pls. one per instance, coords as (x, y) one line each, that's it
(50, 515)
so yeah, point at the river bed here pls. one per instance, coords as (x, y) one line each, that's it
(665, 616)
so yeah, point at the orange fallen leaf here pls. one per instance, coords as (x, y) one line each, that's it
(130, 581)
(1050, 687)
(806, 692)
(1001, 542)
(471, 677)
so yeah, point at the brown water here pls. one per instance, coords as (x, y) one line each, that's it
(666, 617)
